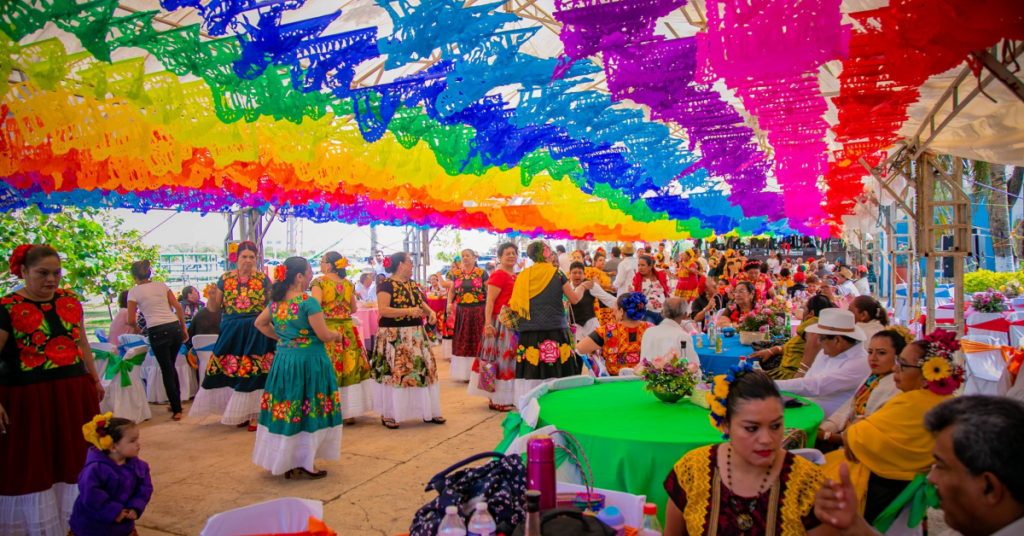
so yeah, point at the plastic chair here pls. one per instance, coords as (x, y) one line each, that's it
(127, 401)
(626, 372)
(281, 516)
(203, 347)
(986, 371)
(99, 362)
(1000, 331)
(101, 334)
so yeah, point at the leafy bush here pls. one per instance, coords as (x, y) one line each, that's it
(983, 280)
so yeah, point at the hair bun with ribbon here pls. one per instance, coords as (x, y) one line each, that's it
(634, 305)
(95, 431)
(17, 260)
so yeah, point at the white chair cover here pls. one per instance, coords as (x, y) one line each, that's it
(1016, 332)
(986, 371)
(127, 402)
(626, 372)
(981, 318)
(99, 362)
(614, 379)
(280, 516)
(203, 347)
(155, 392)
(571, 382)
(631, 506)
(101, 334)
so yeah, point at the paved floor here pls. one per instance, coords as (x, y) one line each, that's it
(201, 467)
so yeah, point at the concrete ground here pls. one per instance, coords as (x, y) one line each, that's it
(201, 468)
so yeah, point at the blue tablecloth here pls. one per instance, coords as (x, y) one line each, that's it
(715, 364)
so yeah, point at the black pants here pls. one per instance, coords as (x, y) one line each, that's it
(165, 341)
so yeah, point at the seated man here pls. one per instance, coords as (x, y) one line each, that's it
(977, 471)
(670, 333)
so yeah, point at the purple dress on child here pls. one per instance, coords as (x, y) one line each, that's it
(104, 490)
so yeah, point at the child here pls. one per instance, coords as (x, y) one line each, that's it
(114, 486)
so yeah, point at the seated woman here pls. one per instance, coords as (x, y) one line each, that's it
(871, 316)
(787, 360)
(119, 326)
(653, 283)
(876, 391)
(741, 486)
(620, 342)
(742, 303)
(890, 447)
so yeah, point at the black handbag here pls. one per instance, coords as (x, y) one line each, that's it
(501, 482)
(568, 522)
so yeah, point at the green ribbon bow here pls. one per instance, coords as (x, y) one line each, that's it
(514, 428)
(919, 494)
(116, 364)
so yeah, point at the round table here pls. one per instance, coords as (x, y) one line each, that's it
(633, 440)
(716, 364)
(368, 318)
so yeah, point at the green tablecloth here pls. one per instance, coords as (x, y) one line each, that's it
(633, 440)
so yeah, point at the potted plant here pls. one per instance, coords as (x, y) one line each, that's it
(1012, 289)
(669, 377)
(989, 302)
(757, 325)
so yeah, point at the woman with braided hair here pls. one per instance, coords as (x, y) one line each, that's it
(49, 388)
(242, 357)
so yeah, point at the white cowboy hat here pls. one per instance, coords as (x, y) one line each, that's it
(836, 321)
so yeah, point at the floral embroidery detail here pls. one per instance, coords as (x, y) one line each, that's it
(549, 352)
(243, 296)
(46, 341)
(292, 411)
(69, 310)
(404, 295)
(336, 297)
(473, 293)
(240, 366)
(283, 312)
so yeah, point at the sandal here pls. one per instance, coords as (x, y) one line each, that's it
(437, 420)
(390, 425)
(253, 428)
(176, 417)
(243, 425)
(502, 409)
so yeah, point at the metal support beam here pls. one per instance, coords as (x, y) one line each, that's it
(996, 67)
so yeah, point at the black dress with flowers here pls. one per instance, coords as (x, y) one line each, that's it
(47, 392)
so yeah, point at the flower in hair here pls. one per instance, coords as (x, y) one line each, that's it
(17, 260)
(95, 431)
(341, 264)
(720, 393)
(280, 272)
(902, 331)
(941, 373)
(634, 305)
(387, 262)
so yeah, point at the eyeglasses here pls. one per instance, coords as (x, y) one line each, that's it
(903, 364)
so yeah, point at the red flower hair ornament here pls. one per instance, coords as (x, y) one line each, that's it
(280, 272)
(17, 260)
(387, 262)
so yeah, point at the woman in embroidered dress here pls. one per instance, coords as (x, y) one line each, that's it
(876, 391)
(237, 372)
(545, 350)
(654, 285)
(742, 303)
(190, 303)
(750, 484)
(49, 388)
(620, 342)
(764, 290)
(498, 351)
(890, 448)
(605, 315)
(445, 321)
(688, 277)
(467, 298)
(300, 417)
(336, 296)
(402, 367)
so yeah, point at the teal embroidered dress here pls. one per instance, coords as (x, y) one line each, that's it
(300, 418)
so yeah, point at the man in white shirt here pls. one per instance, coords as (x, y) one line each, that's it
(627, 269)
(839, 369)
(377, 262)
(846, 286)
(977, 471)
(669, 335)
(366, 291)
(564, 261)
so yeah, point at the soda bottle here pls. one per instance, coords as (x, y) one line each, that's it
(532, 513)
(481, 524)
(650, 525)
(452, 524)
(718, 345)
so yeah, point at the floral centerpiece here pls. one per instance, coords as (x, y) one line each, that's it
(763, 322)
(1012, 289)
(989, 302)
(669, 377)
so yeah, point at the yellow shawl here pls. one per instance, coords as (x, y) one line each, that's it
(529, 284)
(891, 442)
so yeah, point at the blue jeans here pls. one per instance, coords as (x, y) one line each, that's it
(652, 317)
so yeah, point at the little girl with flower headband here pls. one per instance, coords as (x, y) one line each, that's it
(114, 486)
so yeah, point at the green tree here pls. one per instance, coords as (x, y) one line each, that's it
(96, 254)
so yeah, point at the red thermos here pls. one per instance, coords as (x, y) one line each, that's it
(540, 469)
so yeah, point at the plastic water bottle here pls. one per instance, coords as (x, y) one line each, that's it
(452, 524)
(650, 526)
(482, 524)
(756, 364)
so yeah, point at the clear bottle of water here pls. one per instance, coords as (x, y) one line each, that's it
(650, 526)
(452, 524)
(481, 524)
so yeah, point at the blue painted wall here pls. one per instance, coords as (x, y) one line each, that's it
(979, 219)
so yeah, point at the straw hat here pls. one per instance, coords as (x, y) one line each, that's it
(836, 321)
(628, 249)
(845, 272)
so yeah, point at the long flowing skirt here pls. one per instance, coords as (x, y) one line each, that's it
(500, 350)
(404, 375)
(352, 369)
(543, 356)
(236, 373)
(43, 452)
(300, 419)
(467, 340)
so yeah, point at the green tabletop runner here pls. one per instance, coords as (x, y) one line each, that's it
(633, 440)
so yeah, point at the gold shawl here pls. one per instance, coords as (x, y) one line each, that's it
(529, 284)
(891, 442)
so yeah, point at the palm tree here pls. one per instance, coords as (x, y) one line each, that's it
(990, 188)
